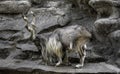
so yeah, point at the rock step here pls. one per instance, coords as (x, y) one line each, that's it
(33, 67)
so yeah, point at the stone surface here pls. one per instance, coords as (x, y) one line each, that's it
(107, 26)
(9, 22)
(29, 46)
(31, 66)
(6, 44)
(100, 17)
(46, 18)
(14, 6)
(36, 1)
(6, 34)
(5, 48)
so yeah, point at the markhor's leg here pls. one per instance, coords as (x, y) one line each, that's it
(59, 62)
(82, 55)
(59, 55)
(71, 45)
(66, 58)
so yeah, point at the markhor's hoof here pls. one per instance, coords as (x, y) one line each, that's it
(78, 66)
(58, 64)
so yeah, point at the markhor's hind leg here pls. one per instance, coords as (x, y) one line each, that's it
(59, 55)
(59, 62)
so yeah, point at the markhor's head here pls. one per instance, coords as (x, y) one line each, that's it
(83, 32)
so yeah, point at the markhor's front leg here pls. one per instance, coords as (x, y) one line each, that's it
(82, 55)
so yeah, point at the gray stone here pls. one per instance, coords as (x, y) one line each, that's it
(14, 6)
(107, 18)
(17, 36)
(118, 62)
(115, 41)
(50, 17)
(29, 46)
(115, 37)
(9, 22)
(7, 44)
(104, 8)
(5, 48)
(32, 66)
(36, 1)
(6, 35)
(104, 27)
(13, 28)
(45, 18)
(119, 53)
(12, 35)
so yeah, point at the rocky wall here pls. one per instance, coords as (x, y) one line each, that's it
(100, 17)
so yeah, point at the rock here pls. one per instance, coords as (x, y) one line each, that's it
(118, 62)
(36, 1)
(17, 36)
(115, 43)
(103, 27)
(50, 17)
(107, 32)
(116, 3)
(29, 46)
(119, 53)
(4, 53)
(7, 44)
(45, 18)
(52, 3)
(13, 28)
(84, 6)
(115, 37)
(14, 6)
(9, 22)
(5, 48)
(31, 67)
(11, 35)
(104, 8)
(6, 35)
(28, 51)
(107, 28)
(94, 3)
